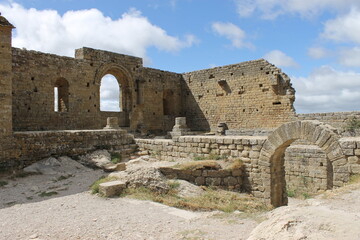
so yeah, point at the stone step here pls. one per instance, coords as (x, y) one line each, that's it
(112, 189)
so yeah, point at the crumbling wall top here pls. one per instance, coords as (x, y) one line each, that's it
(105, 56)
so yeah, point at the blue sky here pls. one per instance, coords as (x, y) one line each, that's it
(316, 42)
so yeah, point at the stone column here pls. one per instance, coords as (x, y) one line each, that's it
(180, 128)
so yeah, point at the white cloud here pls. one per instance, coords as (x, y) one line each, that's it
(280, 59)
(327, 90)
(233, 33)
(350, 57)
(109, 94)
(344, 28)
(270, 9)
(47, 31)
(318, 52)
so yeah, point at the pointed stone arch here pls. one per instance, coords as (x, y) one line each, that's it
(271, 160)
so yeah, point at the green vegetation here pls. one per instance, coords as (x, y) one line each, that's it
(291, 193)
(296, 193)
(95, 186)
(353, 124)
(355, 178)
(210, 157)
(173, 184)
(47, 194)
(212, 199)
(115, 158)
(3, 183)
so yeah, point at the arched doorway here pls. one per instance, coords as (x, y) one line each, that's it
(272, 154)
(119, 98)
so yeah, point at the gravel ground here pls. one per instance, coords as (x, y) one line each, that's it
(74, 213)
(58, 205)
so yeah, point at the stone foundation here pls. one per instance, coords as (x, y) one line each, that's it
(229, 179)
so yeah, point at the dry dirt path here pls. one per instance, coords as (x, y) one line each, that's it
(76, 214)
(73, 213)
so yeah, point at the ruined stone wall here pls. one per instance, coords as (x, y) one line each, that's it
(231, 179)
(246, 148)
(306, 169)
(143, 91)
(311, 172)
(245, 95)
(336, 119)
(33, 146)
(6, 142)
(158, 99)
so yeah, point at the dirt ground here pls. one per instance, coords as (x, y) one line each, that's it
(60, 206)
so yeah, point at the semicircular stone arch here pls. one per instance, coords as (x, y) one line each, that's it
(271, 159)
(124, 79)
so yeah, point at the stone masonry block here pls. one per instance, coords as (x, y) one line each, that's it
(111, 189)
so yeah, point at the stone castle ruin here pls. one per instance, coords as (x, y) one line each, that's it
(50, 106)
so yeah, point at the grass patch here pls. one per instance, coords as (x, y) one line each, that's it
(355, 178)
(291, 193)
(47, 194)
(115, 158)
(353, 124)
(3, 183)
(295, 193)
(197, 165)
(236, 164)
(95, 186)
(211, 156)
(212, 199)
(173, 184)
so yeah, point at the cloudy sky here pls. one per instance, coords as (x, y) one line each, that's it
(316, 42)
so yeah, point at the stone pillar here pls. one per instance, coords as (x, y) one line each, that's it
(180, 128)
(112, 123)
(221, 128)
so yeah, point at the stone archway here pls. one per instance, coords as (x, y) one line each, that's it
(272, 156)
(124, 79)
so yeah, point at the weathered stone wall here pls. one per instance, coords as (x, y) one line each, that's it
(246, 148)
(306, 169)
(245, 95)
(33, 146)
(313, 166)
(143, 91)
(336, 119)
(226, 178)
(158, 99)
(351, 149)
(6, 145)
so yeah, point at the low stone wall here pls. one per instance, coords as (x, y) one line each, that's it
(336, 119)
(226, 178)
(351, 149)
(33, 146)
(246, 148)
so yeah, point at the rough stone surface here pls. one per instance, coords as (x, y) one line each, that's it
(112, 189)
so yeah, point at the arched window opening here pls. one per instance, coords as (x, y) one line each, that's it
(110, 94)
(61, 95)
